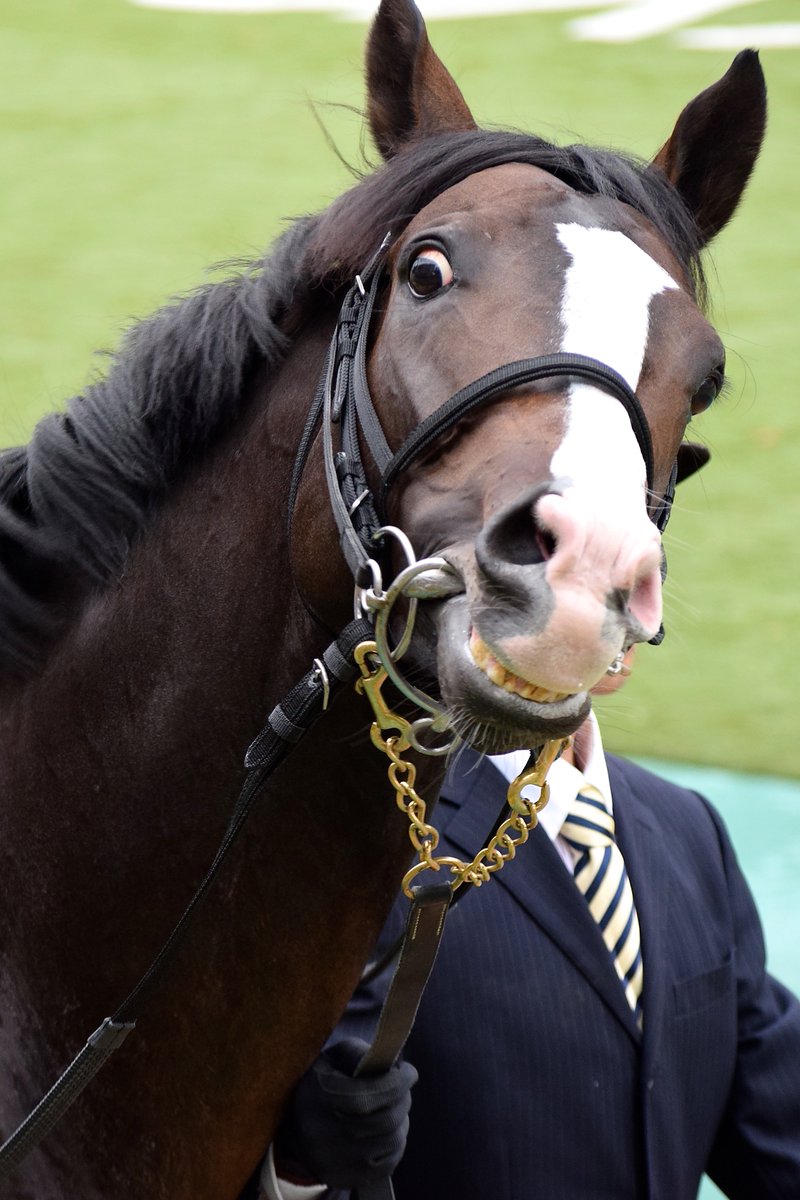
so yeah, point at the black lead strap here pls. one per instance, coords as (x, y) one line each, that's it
(285, 725)
(423, 935)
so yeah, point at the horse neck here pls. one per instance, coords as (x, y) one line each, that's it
(127, 764)
(203, 630)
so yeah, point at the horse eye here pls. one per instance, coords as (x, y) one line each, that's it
(707, 393)
(429, 272)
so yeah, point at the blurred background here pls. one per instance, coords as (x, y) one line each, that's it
(141, 143)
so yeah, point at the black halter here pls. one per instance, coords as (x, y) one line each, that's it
(344, 398)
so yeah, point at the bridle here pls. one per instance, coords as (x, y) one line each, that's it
(344, 401)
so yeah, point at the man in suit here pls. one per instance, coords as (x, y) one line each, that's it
(538, 1075)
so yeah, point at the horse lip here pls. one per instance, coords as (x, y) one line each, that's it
(520, 705)
(503, 717)
(486, 656)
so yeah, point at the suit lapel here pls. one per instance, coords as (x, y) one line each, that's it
(537, 879)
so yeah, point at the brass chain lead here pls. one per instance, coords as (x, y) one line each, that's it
(390, 733)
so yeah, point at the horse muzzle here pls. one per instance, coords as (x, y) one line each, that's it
(555, 589)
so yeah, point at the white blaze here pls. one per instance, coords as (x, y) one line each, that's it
(605, 314)
(604, 540)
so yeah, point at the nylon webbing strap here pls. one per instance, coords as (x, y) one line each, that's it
(424, 929)
(102, 1043)
(290, 719)
(304, 704)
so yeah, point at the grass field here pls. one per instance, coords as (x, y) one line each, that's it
(139, 146)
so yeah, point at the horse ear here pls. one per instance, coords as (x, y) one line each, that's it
(716, 142)
(691, 458)
(410, 93)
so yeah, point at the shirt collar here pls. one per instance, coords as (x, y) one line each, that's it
(565, 779)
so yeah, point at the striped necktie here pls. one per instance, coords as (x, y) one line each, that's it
(601, 876)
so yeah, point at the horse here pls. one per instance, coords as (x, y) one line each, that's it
(172, 562)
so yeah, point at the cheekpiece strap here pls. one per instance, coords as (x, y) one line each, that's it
(346, 401)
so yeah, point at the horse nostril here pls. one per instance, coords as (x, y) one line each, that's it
(618, 600)
(545, 541)
(521, 540)
(516, 537)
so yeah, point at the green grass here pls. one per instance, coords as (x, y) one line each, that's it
(141, 146)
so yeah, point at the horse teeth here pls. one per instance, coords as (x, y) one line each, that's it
(478, 649)
(496, 673)
(503, 678)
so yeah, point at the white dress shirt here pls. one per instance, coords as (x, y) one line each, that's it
(565, 781)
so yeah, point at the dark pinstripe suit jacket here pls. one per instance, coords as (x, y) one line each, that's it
(535, 1083)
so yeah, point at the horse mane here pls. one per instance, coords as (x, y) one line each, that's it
(75, 498)
(350, 230)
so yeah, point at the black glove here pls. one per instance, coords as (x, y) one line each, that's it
(342, 1131)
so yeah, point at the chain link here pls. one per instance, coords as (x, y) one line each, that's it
(389, 732)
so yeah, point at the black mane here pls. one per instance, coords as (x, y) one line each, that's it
(355, 224)
(74, 499)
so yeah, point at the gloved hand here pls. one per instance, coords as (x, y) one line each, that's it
(347, 1132)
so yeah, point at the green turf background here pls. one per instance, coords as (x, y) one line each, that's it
(140, 146)
(137, 147)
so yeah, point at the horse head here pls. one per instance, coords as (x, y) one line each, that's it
(537, 351)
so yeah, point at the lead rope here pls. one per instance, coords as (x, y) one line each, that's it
(285, 725)
(352, 652)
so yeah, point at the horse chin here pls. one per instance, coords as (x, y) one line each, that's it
(489, 717)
